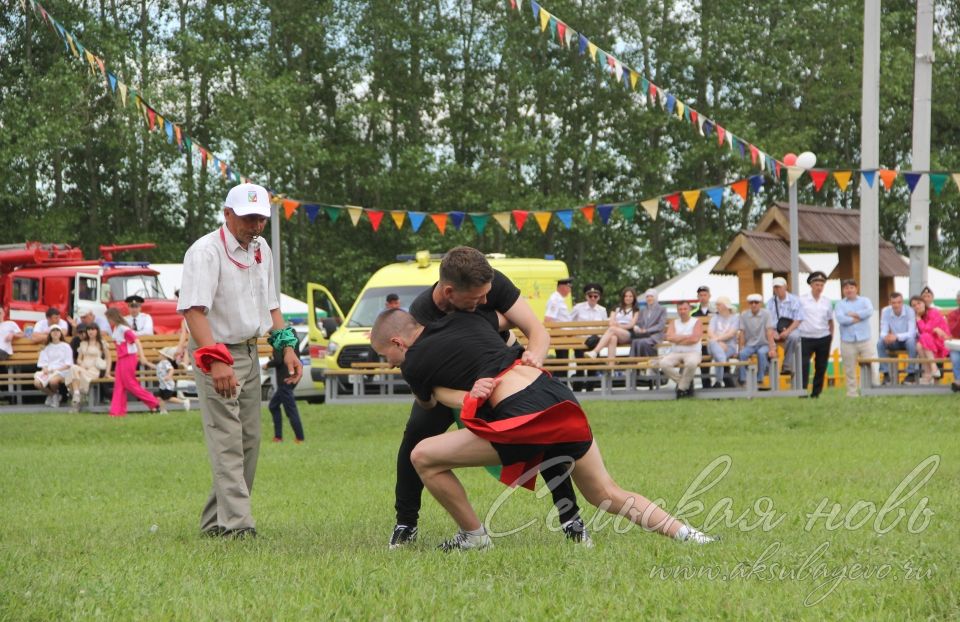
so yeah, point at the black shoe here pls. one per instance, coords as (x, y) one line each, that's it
(887, 380)
(214, 532)
(403, 534)
(955, 387)
(786, 372)
(576, 532)
(240, 534)
(707, 384)
(910, 378)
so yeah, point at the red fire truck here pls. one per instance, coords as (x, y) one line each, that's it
(35, 276)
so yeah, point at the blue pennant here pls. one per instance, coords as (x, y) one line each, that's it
(456, 218)
(604, 211)
(716, 195)
(416, 220)
(583, 45)
(169, 128)
(536, 13)
(566, 217)
(671, 103)
(113, 82)
(312, 210)
(756, 182)
(912, 179)
(869, 176)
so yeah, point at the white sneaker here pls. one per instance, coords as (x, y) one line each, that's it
(164, 411)
(56, 400)
(186, 403)
(465, 542)
(695, 536)
(48, 401)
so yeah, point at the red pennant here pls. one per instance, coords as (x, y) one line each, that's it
(674, 201)
(441, 221)
(720, 135)
(818, 178)
(152, 116)
(693, 117)
(588, 212)
(289, 207)
(519, 218)
(778, 168)
(753, 156)
(653, 92)
(513, 4)
(561, 31)
(375, 217)
(203, 157)
(740, 187)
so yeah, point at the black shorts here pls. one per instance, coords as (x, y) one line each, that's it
(166, 394)
(542, 393)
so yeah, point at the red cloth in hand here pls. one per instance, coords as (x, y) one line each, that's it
(203, 357)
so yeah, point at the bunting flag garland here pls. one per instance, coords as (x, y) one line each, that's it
(887, 176)
(312, 210)
(519, 218)
(868, 177)
(604, 212)
(543, 220)
(674, 201)
(480, 222)
(375, 217)
(355, 213)
(588, 211)
(503, 219)
(566, 217)
(416, 220)
(818, 178)
(650, 206)
(912, 179)
(716, 195)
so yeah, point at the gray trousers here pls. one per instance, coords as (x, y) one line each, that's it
(231, 429)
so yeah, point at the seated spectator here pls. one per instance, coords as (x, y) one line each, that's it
(953, 323)
(42, 328)
(722, 342)
(898, 333)
(590, 310)
(648, 331)
(8, 330)
(756, 337)
(80, 334)
(704, 309)
(93, 361)
(927, 295)
(141, 323)
(784, 308)
(931, 337)
(55, 363)
(684, 333)
(89, 317)
(622, 320)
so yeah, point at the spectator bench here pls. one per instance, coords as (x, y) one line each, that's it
(940, 385)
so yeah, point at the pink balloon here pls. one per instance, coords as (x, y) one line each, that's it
(790, 159)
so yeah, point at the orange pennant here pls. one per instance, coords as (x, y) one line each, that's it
(887, 176)
(441, 221)
(289, 207)
(740, 187)
(588, 211)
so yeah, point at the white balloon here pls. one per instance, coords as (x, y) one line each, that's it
(806, 160)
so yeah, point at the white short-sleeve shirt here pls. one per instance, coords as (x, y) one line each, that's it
(238, 301)
(816, 316)
(557, 308)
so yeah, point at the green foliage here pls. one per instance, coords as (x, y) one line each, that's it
(466, 106)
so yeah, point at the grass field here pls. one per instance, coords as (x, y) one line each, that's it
(98, 519)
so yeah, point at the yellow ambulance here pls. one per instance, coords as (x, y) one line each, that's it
(337, 341)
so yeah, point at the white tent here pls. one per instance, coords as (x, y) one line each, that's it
(171, 275)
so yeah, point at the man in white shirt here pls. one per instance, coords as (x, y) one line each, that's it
(141, 323)
(590, 310)
(42, 328)
(557, 309)
(229, 299)
(8, 330)
(816, 332)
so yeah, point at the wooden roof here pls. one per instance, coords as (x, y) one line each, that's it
(764, 251)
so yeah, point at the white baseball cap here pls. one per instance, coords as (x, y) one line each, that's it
(780, 281)
(247, 199)
(754, 298)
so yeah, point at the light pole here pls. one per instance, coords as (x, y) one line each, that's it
(796, 165)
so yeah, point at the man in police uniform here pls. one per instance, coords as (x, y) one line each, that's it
(141, 323)
(229, 299)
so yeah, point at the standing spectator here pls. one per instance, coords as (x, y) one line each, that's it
(140, 323)
(648, 331)
(953, 323)
(622, 320)
(8, 330)
(853, 312)
(55, 363)
(93, 361)
(557, 310)
(283, 396)
(816, 331)
(393, 301)
(722, 340)
(684, 333)
(229, 299)
(42, 328)
(931, 337)
(128, 353)
(167, 385)
(756, 337)
(704, 309)
(784, 307)
(898, 333)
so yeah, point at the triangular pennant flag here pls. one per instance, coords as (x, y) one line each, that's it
(601, 58)
(671, 103)
(375, 217)
(570, 34)
(203, 157)
(312, 210)
(588, 212)
(593, 51)
(674, 201)
(793, 174)
(756, 182)
(73, 48)
(626, 78)
(721, 134)
(520, 218)
(90, 60)
(513, 4)
(561, 32)
(543, 219)
(652, 91)
(123, 93)
(868, 176)
(956, 180)
(113, 82)
(416, 220)
(843, 179)
(887, 176)
(188, 145)
(289, 207)
(740, 187)
(103, 69)
(168, 128)
(753, 154)
(553, 27)
(355, 213)
(503, 219)
(333, 213)
(536, 13)
(716, 195)
(937, 181)
(398, 217)
(818, 178)
(583, 45)
(650, 207)
(691, 197)
(912, 179)
(604, 212)
(456, 218)
(566, 217)
(480, 221)
(686, 114)
(707, 128)
(634, 76)
(176, 133)
(628, 210)
(544, 19)
(151, 118)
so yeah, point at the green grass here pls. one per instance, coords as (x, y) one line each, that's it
(79, 495)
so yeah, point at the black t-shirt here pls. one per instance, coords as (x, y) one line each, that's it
(503, 294)
(455, 351)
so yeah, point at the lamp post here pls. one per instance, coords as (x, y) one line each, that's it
(796, 165)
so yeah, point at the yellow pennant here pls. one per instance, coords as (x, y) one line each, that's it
(398, 218)
(503, 219)
(680, 107)
(544, 19)
(793, 174)
(593, 50)
(843, 179)
(634, 76)
(543, 219)
(73, 48)
(650, 206)
(354, 212)
(123, 93)
(691, 197)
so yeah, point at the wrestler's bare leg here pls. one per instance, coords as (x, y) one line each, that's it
(434, 457)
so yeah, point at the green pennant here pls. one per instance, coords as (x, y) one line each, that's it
(628, 210)
(480, 221)
(938, 180)
(553, 27)
(188, 143)
(332, 212)
(601, 59)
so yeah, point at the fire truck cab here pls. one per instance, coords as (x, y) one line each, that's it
(35, 277)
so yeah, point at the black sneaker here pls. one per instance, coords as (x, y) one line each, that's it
(887, 380)
(402, 534)
(240, 534)
(576, 532)
(910, 379)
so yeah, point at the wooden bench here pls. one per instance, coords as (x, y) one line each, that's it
(940, 385)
